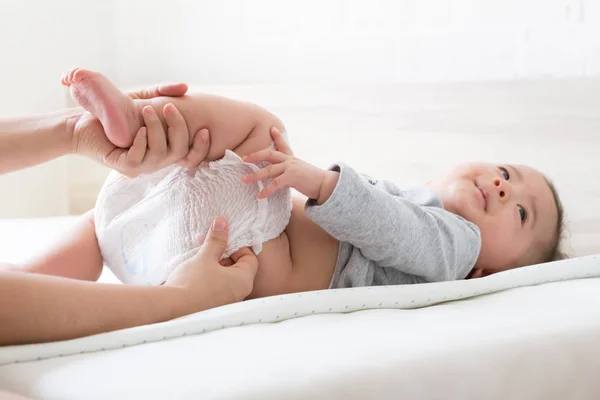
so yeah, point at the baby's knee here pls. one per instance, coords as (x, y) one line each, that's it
(260, 137)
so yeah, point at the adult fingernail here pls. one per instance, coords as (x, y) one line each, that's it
(204, 135)
(220, 224)
(148, 110)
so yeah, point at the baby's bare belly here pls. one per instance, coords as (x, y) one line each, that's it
(302, 258)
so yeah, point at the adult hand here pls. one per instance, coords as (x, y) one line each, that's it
(51, 308)
(152, 148)
(205, 282)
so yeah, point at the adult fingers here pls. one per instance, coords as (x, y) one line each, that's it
(177, 133)
(216, 240)
(199, 150)
(157, 140)
(136, 152)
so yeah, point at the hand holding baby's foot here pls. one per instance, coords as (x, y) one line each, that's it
(205, 282)
(153, 147)
(116, 111)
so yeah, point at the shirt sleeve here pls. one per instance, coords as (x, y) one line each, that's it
(397, 233)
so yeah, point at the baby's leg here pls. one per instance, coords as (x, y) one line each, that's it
(76, 255)
(233, 125)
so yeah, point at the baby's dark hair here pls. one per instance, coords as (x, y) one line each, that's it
(553, 252)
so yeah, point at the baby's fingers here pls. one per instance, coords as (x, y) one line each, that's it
(269, 155)
(270, 171)
(280, 143)
(277, 183)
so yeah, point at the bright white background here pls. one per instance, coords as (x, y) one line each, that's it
(257, 46)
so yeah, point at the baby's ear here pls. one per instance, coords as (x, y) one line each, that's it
(478, 273)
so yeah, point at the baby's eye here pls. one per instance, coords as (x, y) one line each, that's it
(505, 173)
(522, 213)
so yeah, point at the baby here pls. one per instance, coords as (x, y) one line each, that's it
(341, 229)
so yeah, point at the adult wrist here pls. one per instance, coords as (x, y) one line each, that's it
(69, 125)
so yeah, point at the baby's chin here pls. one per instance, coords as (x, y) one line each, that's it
(467, 203)
(462, 208)
(467, 216)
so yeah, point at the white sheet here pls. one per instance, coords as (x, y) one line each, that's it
(535, 342)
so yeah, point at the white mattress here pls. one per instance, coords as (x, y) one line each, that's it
(532, 342)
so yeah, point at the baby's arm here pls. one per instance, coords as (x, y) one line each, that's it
(395, 232)
(76, 255)
(233, 125)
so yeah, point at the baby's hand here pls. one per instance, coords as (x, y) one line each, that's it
(286, 171)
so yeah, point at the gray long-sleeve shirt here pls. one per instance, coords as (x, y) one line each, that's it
(389, 236)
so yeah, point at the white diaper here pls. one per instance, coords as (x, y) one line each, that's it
(147, 226)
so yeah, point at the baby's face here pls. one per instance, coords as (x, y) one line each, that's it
(512, 205)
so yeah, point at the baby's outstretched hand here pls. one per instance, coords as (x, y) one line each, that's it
(289, 171)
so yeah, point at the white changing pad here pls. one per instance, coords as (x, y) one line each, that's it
(280, 308)
(534, 342)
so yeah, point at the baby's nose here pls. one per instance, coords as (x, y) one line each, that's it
(502, 189)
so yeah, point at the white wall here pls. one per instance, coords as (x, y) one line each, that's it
(266, 41)
(136, 42)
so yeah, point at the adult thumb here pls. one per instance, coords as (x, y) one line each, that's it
(216, 240)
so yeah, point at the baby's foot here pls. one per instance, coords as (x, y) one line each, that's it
(116, 111)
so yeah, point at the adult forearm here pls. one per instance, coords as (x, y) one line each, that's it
(37, 308)
(25, 142)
